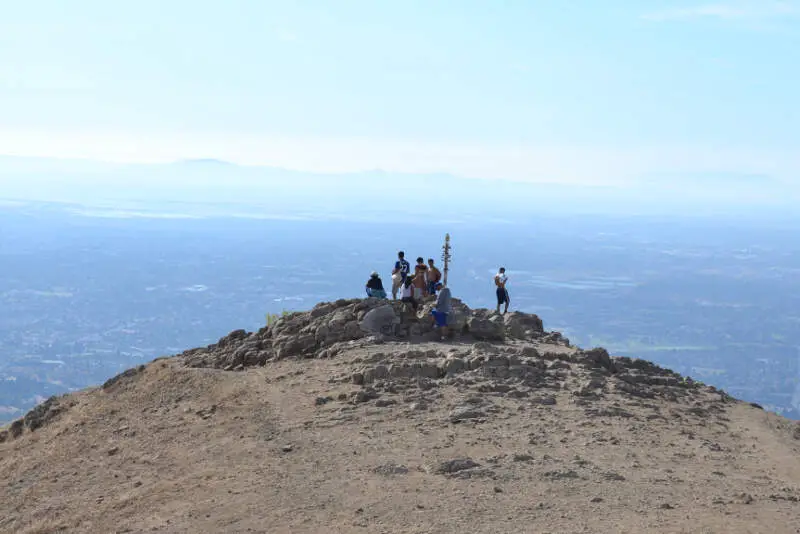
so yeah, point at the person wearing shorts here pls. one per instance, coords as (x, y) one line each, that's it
(500, 280)
(441, 311)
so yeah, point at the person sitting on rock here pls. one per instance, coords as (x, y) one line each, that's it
(434, 278)
(408, 292)
(420, 279)
(375, 286)
(441, 311)
(500, 280)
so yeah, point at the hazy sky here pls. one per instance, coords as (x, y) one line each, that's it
(578, 90)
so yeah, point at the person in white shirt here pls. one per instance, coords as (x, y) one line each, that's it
(408, 292)
(500, 280)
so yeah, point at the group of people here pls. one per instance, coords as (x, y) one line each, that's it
(426, 280)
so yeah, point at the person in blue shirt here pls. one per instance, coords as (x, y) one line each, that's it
(399, 273)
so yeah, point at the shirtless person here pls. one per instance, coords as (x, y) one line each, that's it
(500, 280)
(434, 277)
(420, 280)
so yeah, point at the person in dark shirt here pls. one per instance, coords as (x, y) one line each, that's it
(375, 286)
(399, 273)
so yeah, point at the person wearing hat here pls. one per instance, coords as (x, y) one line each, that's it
(375, 286)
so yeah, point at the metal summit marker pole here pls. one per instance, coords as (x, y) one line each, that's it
(446, 258)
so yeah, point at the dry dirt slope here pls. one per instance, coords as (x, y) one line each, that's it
(326, 427)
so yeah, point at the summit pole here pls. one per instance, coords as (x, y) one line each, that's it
(446, 256)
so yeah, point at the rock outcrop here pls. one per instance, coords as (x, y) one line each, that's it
(330, 327)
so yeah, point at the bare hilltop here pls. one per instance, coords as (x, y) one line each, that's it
(354, 417)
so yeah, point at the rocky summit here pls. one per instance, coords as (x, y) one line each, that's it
(356, 417)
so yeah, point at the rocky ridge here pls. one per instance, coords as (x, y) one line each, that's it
(492, 354)
(355, 417)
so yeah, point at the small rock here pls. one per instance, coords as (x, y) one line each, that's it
(522, 457)
(419, 406)
(112, 451)
(498, 489)
(454, 466)
(391, 469)
(667, 506)
(383, 403)
(559, 475)
(597, 499)
(287, 448)
(320, 401)
(461, 413)
(364, 396)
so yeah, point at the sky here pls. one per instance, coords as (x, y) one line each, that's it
(584, 91)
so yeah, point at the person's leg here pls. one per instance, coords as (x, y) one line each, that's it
(508, 301)
(441, 322)
(500, 298)
(396, 283)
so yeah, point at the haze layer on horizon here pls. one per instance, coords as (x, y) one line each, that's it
(609, 92)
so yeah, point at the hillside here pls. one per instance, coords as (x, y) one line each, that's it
(352, 417)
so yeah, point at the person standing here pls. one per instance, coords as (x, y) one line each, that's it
(399, 273)
(420, 280)
(441, 312)
(500, 280)
(434, 277)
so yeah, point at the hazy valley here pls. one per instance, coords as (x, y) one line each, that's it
(84, 297)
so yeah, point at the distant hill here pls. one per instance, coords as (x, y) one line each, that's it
(208, 182)
(355, 417)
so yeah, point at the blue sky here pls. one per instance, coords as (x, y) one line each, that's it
(590, 91)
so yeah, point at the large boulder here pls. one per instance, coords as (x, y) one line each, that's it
(486, 328)
(380, 320)
(523, 325)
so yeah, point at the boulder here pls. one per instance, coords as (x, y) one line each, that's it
(486, 329)
(380, 320)
(523, 325)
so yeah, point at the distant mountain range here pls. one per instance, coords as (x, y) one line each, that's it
(197, 184)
